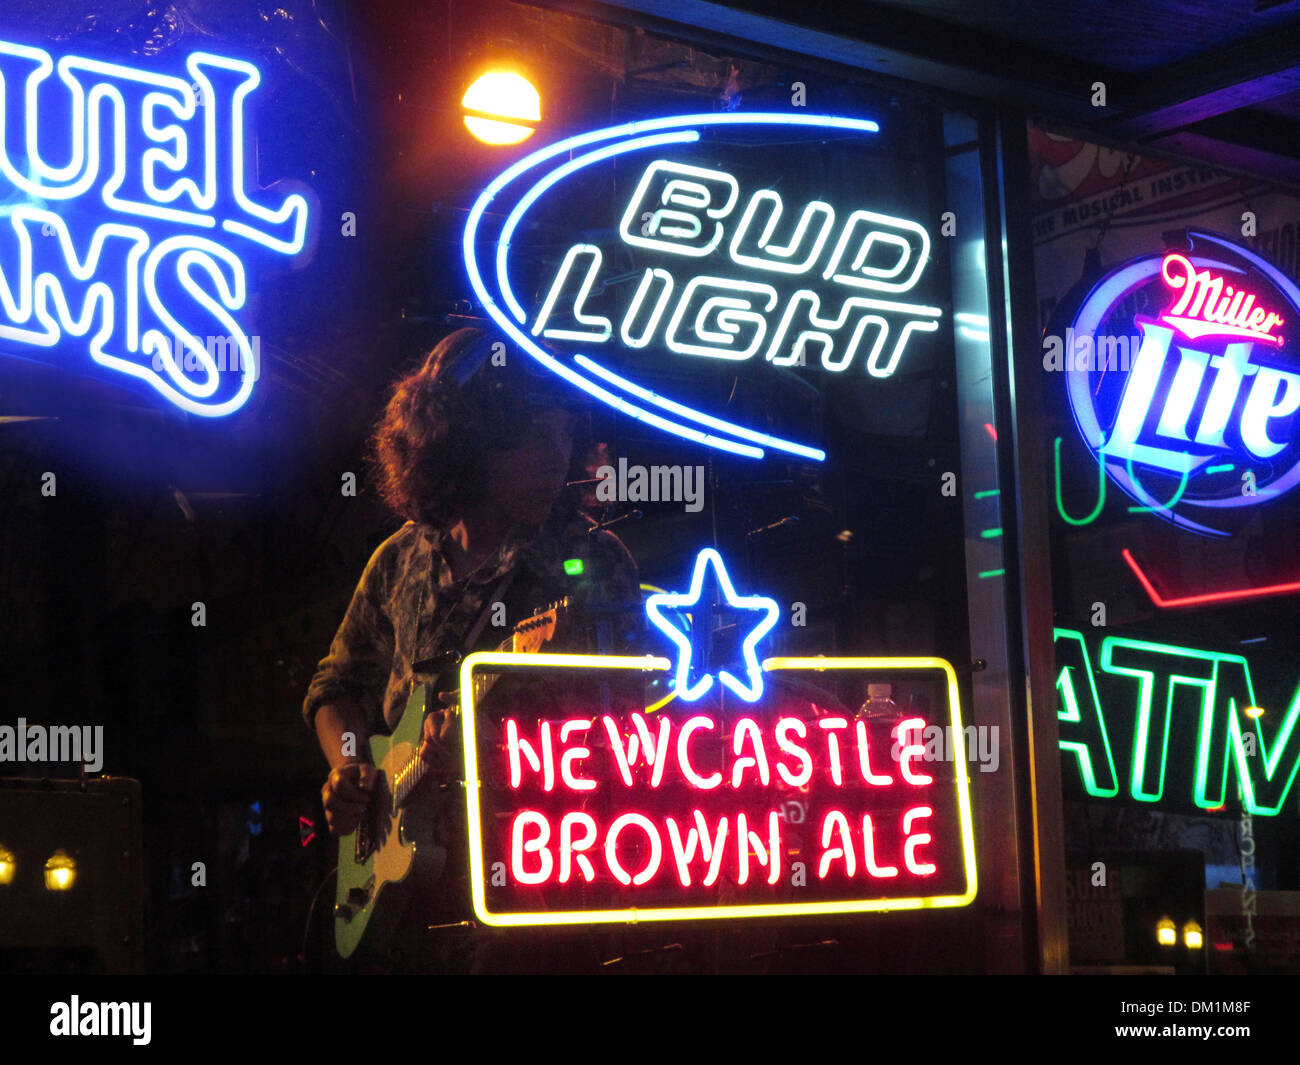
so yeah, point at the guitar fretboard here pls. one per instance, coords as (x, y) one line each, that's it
(528, 636)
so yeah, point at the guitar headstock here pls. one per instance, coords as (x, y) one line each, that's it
(534, 633)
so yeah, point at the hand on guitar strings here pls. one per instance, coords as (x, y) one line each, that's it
(438, 748)
(346, 795)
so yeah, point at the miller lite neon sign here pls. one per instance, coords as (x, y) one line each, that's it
(1204, 421)
(701, 263)
(1209, 307)
(126, 219)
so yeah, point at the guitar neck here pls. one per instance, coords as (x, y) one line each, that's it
(407, 778)
(528, 637)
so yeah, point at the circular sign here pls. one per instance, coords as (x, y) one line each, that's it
(1183, 380)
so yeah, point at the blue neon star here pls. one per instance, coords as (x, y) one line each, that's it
(750, 691)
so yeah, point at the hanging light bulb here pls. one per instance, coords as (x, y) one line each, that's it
(7, 866)
(1192, 938)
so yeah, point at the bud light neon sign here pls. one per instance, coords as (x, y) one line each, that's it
(701, 264)
(1202, 426)
(127, 220)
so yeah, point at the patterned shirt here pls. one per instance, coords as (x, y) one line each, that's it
(407, 607)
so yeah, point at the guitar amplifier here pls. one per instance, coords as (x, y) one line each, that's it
(71, 876)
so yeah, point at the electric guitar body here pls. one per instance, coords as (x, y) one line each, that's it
(393, 856)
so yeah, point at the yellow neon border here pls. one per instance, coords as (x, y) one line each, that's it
(701, 913)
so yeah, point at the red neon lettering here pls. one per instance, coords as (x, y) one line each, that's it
(715, 859)
(869, 851)
(683, 755)
(519, 846)
(836, 821)
(747, 726)
(911, 751)
(571, 848)
(713, 848)
(682, 854)
(793, 724)
(1207, 306)
(531, 833)
(710, 849)
(517, 746)
(574, 754)
(864, 759)
(833, 746)
(919, 840)
(769, 855)
(623, 757)
(611, 849)
(654, 752)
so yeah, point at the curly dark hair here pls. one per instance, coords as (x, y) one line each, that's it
(443, 419)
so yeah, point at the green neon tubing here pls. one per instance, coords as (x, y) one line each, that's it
(1266, 775)
(1182, 487)
(1101, 490)
(1070, 713)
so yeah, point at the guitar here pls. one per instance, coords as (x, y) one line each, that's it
(391, 855)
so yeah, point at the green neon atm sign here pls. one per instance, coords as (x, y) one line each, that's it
(1191, 715)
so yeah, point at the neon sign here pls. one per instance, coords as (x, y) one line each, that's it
(1207, 306)
(1194, 720)
(1202, 427)
(596, 812)
(129, 218)
(751, 688)
(1231, 595)
(722, 272)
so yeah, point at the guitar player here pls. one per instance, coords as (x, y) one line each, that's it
(474, 451)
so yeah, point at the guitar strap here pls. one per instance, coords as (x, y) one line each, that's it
(493, 597)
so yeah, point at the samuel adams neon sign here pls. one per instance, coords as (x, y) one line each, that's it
(720, 271)
(765, 797)
(1203, 423)
(129, 218)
